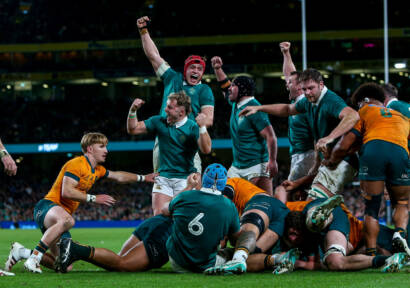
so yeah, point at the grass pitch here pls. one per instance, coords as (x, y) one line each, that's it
(87, 275)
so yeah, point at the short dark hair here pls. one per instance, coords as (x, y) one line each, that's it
(297, 73)
(311, 74)
(296, 220)
(390, 90)
(368, 90)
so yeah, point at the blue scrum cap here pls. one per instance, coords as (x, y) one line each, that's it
(215, 177)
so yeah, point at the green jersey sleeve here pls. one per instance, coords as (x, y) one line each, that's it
(152, 123)
(259, 120)
(301, 106)
(206, 97)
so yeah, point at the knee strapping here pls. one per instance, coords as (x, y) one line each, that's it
(334, 249)
(255, 219)
(373, 205)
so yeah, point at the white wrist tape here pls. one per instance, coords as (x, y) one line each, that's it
(141, 178)
(91, 198)
(202, 130)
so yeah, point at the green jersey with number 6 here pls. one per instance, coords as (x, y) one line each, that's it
(201, 220)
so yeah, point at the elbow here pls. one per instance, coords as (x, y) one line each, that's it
(66, 194)
(206, 150)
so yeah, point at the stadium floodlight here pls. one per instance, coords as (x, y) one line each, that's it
(105, 84)
(45, 85)
(400, 65)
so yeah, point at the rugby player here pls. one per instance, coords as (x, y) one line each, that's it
(202, 219)
(384, 161)
(262, 221)
(179, 139)
(10, 168)
(202, 98)
(300, 135)
(329, 118)
(253, 138)
(53, 214)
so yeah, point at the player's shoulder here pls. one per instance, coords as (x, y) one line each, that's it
(76, 161)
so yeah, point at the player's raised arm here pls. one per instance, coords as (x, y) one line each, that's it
(150, 49)
(70, 191)
(288, 66)
(135, 127)
(223, 80)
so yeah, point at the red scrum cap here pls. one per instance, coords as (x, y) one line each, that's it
(193, 59)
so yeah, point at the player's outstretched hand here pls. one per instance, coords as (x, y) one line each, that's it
(10, 167)
(284, 47)
(150, 178)
(137, 104)
(105, 200)
(216, 62)
(143, 22)
(248, 110)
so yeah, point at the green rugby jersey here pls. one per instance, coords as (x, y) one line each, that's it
(299, 133)
(201, 220)
(177, 146)
(201, 95)
(402, 107)
(249, 147)
(322, 116)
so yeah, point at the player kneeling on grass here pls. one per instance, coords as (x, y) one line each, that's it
(53, 214)
(202, 219)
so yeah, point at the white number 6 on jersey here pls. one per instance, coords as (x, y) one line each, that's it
(195, 227)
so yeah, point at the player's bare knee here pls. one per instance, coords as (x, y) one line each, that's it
(335, 262)
(334, 257)
(68, 222)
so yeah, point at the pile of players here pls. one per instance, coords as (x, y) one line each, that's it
(302, 223)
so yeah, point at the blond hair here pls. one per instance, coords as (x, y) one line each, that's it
(93, 138)
(182, 100)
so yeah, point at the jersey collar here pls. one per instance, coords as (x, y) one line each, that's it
(181, 122)
(184, 83)
(245, 101)
(300, 97)
(391, 100)
(211, 191)
(324, 90)
(89, 163)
